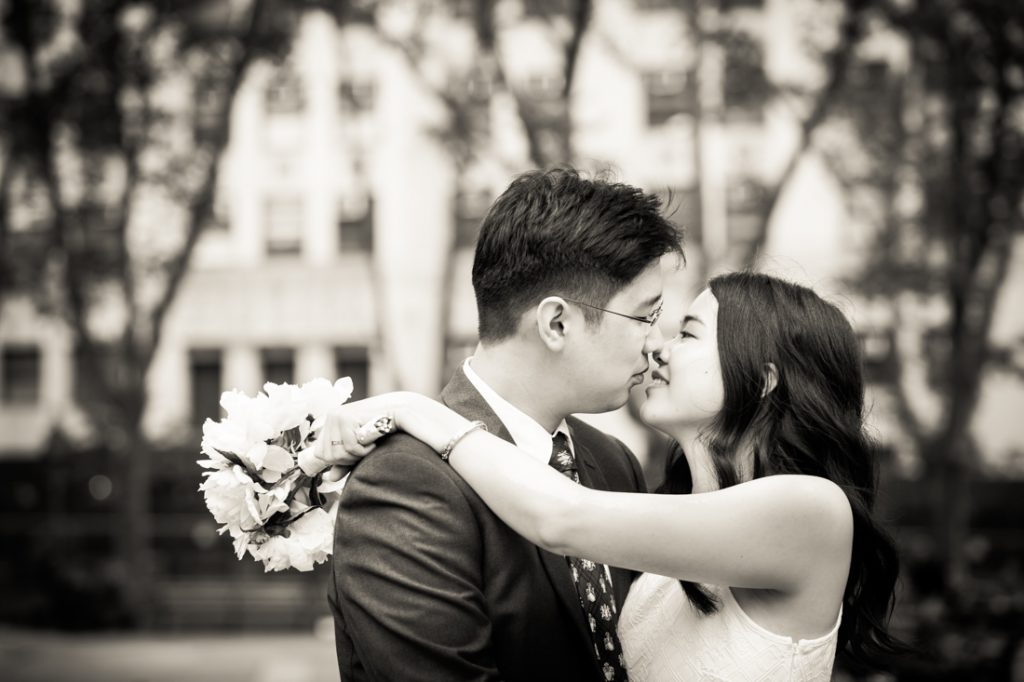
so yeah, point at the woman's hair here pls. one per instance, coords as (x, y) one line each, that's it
(812, 423)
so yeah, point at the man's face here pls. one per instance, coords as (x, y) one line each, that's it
(609, 359)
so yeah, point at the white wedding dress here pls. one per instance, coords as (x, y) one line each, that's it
(665, 639)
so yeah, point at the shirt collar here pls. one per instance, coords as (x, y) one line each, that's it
(525, 431)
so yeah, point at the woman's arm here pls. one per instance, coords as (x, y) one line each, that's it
(770, 533)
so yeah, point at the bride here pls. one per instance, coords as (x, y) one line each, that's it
(762, 558)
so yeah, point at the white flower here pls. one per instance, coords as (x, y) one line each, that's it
(287, 406)
(322, 397)
(227, 499)
(309, 542)
(242, 433)
(239, 503)
(274, 463)
(249, 416)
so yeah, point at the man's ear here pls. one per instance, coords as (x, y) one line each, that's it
(552, 321)
(771, 378)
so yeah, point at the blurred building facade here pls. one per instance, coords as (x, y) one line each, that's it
(343, 247)
(346, 227)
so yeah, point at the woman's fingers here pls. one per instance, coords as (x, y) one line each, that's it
(345, 438)
(375, 429)
(336, 443)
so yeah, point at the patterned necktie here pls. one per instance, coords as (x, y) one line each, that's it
(592, 585)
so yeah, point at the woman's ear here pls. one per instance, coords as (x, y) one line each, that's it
(771, 378)
(551, 314)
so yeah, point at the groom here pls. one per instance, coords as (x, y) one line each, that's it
(428, 584)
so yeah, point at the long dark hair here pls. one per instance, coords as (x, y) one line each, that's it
(812, 423)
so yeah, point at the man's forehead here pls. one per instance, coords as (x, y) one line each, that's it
(646, 289)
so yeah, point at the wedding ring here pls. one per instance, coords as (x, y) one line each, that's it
(335, 443)
(372, 430)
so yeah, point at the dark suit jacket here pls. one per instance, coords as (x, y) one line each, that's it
(428, 584)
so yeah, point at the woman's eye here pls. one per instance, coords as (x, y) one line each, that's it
(686, 335)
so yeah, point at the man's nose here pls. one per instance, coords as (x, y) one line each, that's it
(661, 353)
(655, 339)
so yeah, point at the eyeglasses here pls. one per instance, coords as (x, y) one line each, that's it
(650, 319)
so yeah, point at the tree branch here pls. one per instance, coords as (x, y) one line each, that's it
(582, 12)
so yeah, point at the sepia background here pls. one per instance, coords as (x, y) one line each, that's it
(200, 195)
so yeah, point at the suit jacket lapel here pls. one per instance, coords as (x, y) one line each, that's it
(462, 396)
(592, 477)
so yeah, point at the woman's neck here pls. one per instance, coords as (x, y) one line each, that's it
(701, 462)
(702, 471)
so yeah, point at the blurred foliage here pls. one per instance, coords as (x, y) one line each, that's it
(934, 166)
(930, 157)
(114, 117)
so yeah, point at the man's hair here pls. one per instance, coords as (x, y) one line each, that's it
(557, 233)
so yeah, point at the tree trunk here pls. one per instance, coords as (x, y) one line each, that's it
(135, 533)
(950, 486)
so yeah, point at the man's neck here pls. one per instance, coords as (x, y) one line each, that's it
(514, 376)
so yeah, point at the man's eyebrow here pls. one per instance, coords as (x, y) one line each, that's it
(691, 318)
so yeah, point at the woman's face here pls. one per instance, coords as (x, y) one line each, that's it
(688, 390)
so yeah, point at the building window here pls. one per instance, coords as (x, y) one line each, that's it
(284, 93)
(545, 9)
(470, 209)
(356, 96)
(878, 353)
(283, 220)
(737, 4)
(208, 119)
(648, 5)
(746, 89)
(682, 206)
(473, 92)
(278, 365)
(668, 95)
(463, 9)
(205, 371)
(540, 97)
(21, 375)
(354, 363)
(745, 206)
(355, 224)
(113, 371)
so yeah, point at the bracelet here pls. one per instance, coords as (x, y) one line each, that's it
(473, 426)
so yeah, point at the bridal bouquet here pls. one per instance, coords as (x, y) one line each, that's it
(264, 487)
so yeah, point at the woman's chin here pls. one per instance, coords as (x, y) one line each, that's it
(652, 413)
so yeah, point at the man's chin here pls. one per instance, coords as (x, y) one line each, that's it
(610, 405)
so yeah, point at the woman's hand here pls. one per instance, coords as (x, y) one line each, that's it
(341, 442)
(350, 430)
